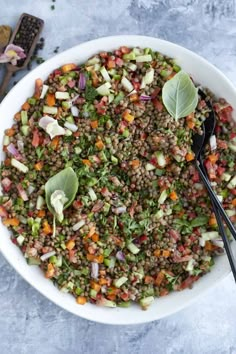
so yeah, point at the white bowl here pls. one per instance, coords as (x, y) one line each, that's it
(202, 72)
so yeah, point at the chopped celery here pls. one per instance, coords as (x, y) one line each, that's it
(78, 291)
(49, 110)
(104, 90)
(146, 301)
(33, 261)
(24, 117)
(20, 240)
(6, 140)
(124, 304)
(62, 95)
(162, 197)
(143, 58)
(129, 56)
(25, 130)
(126, 84)
(93, 293)
(20, 166)
(31, 101)
(105, 74)
(40, 202)
(92, 194)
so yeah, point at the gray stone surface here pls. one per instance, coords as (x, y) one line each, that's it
(29, 323)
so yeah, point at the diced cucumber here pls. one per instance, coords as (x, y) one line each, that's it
(105, 74)
(148, 78)
(104, 90)
(126, 84)
(20, 166)
(232, 183)
(133, 248)
(106, 303)
(132, 66)
(25, 130)
(143, 58)
(146, 302)
(93, 61)
(129, 56)
(162, 197)
(149, 167)
(160, 158)
(20, 239)
(44, 91)
(119, 282)
(124, 304)
(50, 110)
(226, 177)
(40, 202)
(92, 194)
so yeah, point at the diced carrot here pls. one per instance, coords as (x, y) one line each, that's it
(68, 67)
(50, 271)
(125, 50)
(11, 222)
(212, 221)
(159, 279)
(38, 88)
(213, 158)
(7, 162)
(94, 124)
(95, 286)
(133, 97)
(47, 229)
(135, 163)
(102, 281)
(90, 257)
(95, 237)
(99, 259)
(148, 279)
(165, 253)
(10, 132)
(209, 246)
(111, 64)
(50, 99)
(81, 300)
(17, 116)
(36, 138)
(171, 75)
(111, 297)
(173, 196)
(128, 117)
(70, 244)
(157, 253)
(95, 79)
(76, 134)
(91, 231)
(99, 145)
(189, 156)
(164, 292)
(25, 106)
(234, 202)
(38, 166)
(55, 142)
(41, 213)
(190, 121)
(87, 162)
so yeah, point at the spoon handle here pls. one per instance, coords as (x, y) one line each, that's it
(5, 82)
(216, 201)
(222, 233)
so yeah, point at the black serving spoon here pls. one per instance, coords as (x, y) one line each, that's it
(198, 146)
(209, 126)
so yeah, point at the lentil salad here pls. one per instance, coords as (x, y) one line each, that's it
(133, 231)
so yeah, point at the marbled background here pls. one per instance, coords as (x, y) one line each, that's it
(29, 323)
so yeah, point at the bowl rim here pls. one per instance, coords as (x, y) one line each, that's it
(94, 43)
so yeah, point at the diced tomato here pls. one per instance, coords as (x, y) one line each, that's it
(6, 183)
(125, 50)
(124, 296)
(155, 92)
(225, 114)
(103, 55)
(157, 104)
(97, 206)
(189, 281)
(181, 248)
(232, 136)
(118, 53)
(57, 72)
(143, 136)
(77, 204)
(119, 61)
(136, 85)
(222, 144)
(220, 170)
(233, 191)
(175, 235)
(218, 129)
(72, 256)
(3, 212)
(111, 64)
(105, 192)
(36, 138)
(196, 177)
(142, 238)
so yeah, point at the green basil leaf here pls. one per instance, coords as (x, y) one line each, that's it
(65, 181)
(199, 221)
(179, 95)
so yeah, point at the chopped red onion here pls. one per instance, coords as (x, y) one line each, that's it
(11, 148)
(22, 192)
(82, 81)
(6, 183)
(94, 270)
(45, 256)
(145, 98)
(71, 83)
(120, 256)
